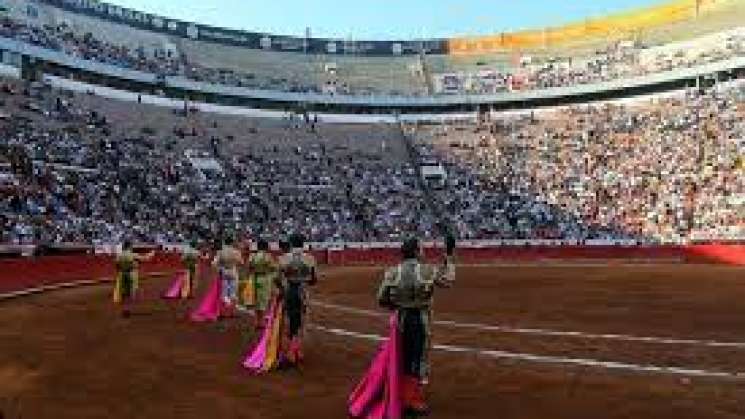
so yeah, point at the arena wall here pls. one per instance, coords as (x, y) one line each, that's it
(705, 253)
(21, 273)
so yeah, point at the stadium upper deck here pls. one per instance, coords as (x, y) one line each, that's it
(613, 48)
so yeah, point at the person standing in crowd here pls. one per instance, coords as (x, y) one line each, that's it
(227, 261)
(263, 268)
(297, 270)
(284, 246)
(127, 281)
(450, 243)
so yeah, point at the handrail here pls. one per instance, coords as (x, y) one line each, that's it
(524, 97)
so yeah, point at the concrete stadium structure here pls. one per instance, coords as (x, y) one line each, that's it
(674, 46)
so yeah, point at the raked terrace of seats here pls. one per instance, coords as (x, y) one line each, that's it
(369, 75)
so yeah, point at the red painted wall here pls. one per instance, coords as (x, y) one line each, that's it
(22, 273)
(710, 253)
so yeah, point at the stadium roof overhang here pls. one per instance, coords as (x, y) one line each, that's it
(616, 26)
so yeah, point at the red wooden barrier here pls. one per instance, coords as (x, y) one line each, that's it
(23, 273)
(710, 253)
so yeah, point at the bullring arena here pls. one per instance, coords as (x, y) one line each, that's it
(577, 332)
(584, 174)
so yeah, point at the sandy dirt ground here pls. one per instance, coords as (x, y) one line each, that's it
(68, 354)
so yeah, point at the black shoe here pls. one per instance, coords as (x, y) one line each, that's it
(415, 413)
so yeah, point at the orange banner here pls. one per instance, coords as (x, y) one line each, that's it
(617, 26)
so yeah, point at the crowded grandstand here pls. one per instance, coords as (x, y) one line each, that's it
(197, 57)
(198, 221)
(80, 168)
(84, 167)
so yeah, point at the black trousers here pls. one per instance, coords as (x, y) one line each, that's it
(413, 340)
(127, 285)
(294, 308)
(192, 279)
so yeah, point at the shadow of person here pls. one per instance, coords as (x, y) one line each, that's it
(10, 408)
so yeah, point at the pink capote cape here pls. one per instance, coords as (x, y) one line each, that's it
(259, 359)
(378, 394)
(174, 290)
(209, 308)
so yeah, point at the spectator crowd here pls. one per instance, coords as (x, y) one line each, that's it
(617, 61)
(84, 169)
(662, 170)
(87, 169)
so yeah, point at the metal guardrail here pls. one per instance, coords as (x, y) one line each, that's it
(60, 58)
(109, 70)
(448, 100)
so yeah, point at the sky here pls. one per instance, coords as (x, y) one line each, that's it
(382, 19)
